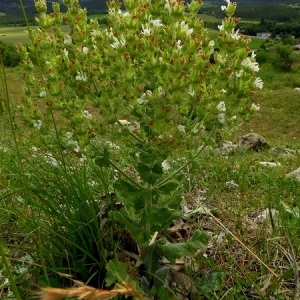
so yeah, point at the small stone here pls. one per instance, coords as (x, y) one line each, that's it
(269, 164)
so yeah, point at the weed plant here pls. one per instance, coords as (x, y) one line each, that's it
(112, 177)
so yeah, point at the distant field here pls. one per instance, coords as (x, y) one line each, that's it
(213, 19)
(14, 35)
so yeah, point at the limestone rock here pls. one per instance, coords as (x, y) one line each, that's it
(285, 152)
(295, 174)
(226, 147)
(252, 141)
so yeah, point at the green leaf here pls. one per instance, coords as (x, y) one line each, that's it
(133, 227)
(169, 187)
(173, 251)
(161, 277)
(145, 286)
(160, 217)
(149, 173)
(103, 159)
(152, 257)
(198, 241)
(116, 272)
(210, 283)
(131, 195)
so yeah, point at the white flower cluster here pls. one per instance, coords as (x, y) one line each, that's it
(184, 27)
(118, 43)
(81, 76)
(248, 63)
(255, 107)
(71, 142)
(258, 83)
(181, 129)
(155, 22)
(144, 98)
(146, 30)
(221, 107)
(37, 124)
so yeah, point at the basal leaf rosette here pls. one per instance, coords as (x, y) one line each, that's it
(152, 74)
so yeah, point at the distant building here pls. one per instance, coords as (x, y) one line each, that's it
(265, 35)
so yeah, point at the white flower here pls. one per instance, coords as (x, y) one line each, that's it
(235, 34)
(239, 73)
(221, 27)
(86, 114)
(142, 99)
(34, 149)
(148, 93)
(50, 159)
(191, 91)
(221, 118)
(81, 76)
(248, 63)
(69, 135)
(42, 94)
(66, 53)
(68, 40)
(184, 27)
(75, 144)
(85, 50)
(82, 158)
(156, 23)
(117, 43)
(223, 91)
(258, 83)
(95, 32)
(255, 107)
(112, 145)
(221, 58)
(221, 106)
(181, 128)
(146, 30)
(223, 7)
(37, 124)
(134, 127)
(178, 44)
(234, 118)
(165, 165)
(161, 92)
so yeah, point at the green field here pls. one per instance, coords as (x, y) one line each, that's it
(14, 35)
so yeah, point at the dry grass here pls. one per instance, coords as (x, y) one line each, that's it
(88, 293)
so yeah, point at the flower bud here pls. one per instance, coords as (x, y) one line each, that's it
(195, 6)
(41, 6)
(45, 21)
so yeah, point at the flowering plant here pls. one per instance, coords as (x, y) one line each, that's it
(150, 82)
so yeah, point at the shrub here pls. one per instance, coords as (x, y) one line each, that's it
(284, 57)
(10, 55)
